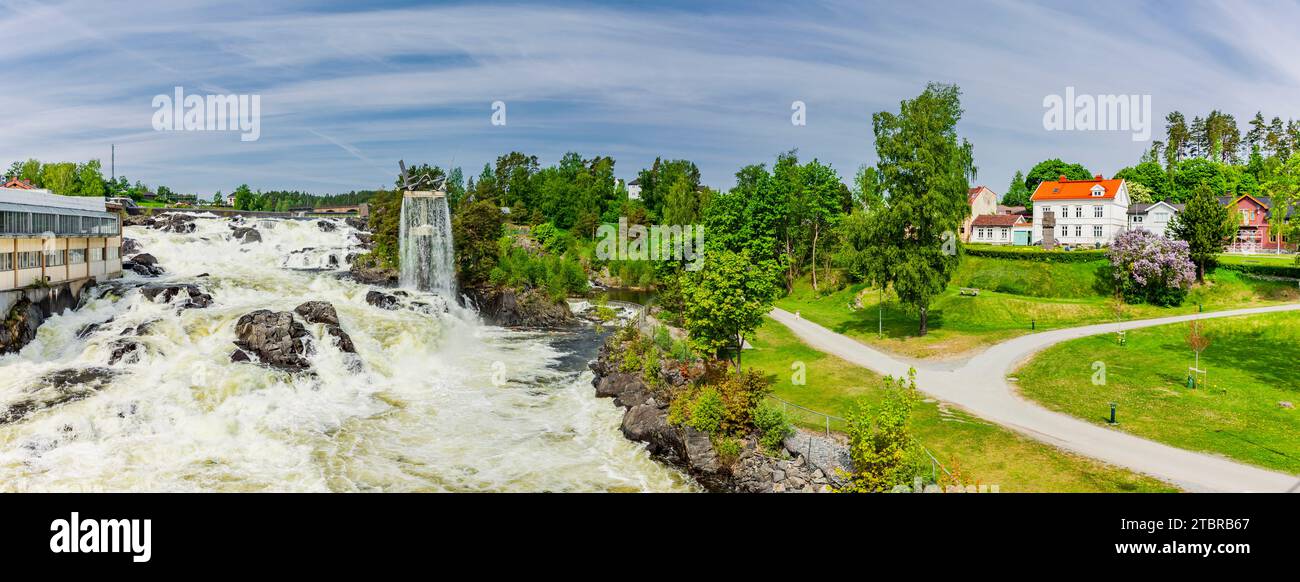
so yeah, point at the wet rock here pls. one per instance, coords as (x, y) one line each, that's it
(627, 390)
(342, 339)
(55, 388)
(145, 259)
(240, 356)
(196, 298)
(174, 222)
(326, 226)
(356, 223)
(246, 235)
(373, 275)
(126, 351)
(531, 308)
(19, 326)
(90, 328)
(381, 300)
(364, 239)
(318, 312)
(276, 338)
(130, 246)
(143, 264)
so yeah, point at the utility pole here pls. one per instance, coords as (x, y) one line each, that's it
(112, 162)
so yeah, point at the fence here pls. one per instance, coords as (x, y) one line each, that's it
(826, 421)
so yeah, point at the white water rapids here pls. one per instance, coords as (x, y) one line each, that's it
(424, 413)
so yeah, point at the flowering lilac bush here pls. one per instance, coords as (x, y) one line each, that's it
(1150, 268)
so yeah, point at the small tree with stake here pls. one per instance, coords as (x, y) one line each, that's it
(1198, 341)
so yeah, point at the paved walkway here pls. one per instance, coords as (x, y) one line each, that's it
(980, 386)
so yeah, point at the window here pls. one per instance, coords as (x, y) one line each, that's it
(76, 256)
(96, 254)
(1004, 234)
(1137, 218)
(54, 258)
(114, 252)
(1096, 231)
(29, 260)
(1098, 211)
(1065, 231)
(6, 261)
(15, 223)
(1078, 230)
(69, 224)
(1078, 212)
(44, 223)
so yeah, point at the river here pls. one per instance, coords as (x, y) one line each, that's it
(441, 402)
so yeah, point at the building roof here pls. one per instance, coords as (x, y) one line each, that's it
(1064, 189)
(1003, 220)
(18, 183)
(1144, 208)
(974, 192)
(21, 200)
(1265, 201)
(1004, 209)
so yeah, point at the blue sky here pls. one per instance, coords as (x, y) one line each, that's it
(347, 90)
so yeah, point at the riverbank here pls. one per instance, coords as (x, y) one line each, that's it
(805, 462)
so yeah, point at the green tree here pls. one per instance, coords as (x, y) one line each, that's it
(1283, 189)
(1151, 175)
(868, 193)
(243, 198)
(1052, 170)
(725, 301)
(1017, 193)
(1193, 172)
(476, 230)
(824, 203)
(926, 169)
(1206, 225)
(59, 178)
(90, 180)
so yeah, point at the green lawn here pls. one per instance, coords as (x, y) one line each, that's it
(1015, 298)
(1253, 363)
(1281, 260)
(982, 452)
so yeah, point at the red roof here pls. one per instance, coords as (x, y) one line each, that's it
(973, 192)
(1063, 189)
(997, 220)
(20, 184)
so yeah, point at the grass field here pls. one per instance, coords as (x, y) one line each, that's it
(1253, 363)
(1015, 298)
(982, 452)
(1282, 260)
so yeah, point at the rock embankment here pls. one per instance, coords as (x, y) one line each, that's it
(509, 308)
(807, 463)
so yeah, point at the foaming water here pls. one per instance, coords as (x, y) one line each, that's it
(442, 402)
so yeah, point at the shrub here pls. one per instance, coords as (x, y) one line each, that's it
(663, 339)
(1268, 270)
(1151, 268)
(727, 448)
(681, 351)
(1036, 254)
(707, 411)
(881, 445)
(773, 425)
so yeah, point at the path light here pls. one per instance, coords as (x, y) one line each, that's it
(1112, 413)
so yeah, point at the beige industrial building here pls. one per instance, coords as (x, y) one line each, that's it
(56, 239)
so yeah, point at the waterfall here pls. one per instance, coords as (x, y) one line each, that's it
(428, 258)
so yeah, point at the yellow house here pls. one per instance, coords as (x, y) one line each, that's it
(983, 202)
(56, 239)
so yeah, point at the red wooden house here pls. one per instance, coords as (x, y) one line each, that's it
(1254, 233)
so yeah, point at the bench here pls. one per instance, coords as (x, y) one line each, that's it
(969, 292)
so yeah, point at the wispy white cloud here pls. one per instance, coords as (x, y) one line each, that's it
(345, 94)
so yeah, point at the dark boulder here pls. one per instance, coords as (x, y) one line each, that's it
(145, 259)
(326, 226)
(381, 276)
(509, 308)
(276, 338)
(143, 264)
(85, 330)
(195, 297)
(174, 222)
(341, 338)
(318, 312)
(356, 223)
(130, 246)
(126, 351)
(240, 356)
(381, 300)
(18, 328)
(246, 235)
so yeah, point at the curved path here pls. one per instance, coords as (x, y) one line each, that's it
(980, 386)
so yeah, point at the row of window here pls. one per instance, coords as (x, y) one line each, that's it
(985, 233)
(1078, 230)
(32, 259)
(1097, 211)
(12, 222)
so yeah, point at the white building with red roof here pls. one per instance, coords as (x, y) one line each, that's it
(1088, 212)
(996, 229)
(982, 201)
